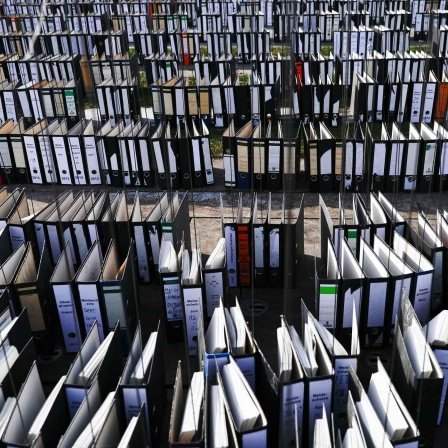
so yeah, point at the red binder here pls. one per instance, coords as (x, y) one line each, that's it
(186, 49)
(243, 244)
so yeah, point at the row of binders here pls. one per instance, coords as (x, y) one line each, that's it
(234, 397)
(96, 402)
(79, 260)
(257, 248)
(394, 86)
(242, 401)
(116, 154)
(362, 160)
(82, 218)
(219, 93)
(84, 254)
(260, 156)
(264, 246)
(75, 231)
(365, 260)
(64, 42)
(316, 377)
(369, 260)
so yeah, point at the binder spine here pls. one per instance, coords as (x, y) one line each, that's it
(172, 295)
(244, 255)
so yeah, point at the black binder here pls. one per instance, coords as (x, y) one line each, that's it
(419, 395)
(149, 397)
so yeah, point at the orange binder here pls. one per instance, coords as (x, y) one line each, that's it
(441, 100)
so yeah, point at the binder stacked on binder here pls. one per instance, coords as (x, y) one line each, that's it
(288, 133)
(52, 419)
(99, 426)
(229, 155)
(214, 345)
(291, 390)
(95, 369)
(170, 279)
(214, 276)
(327, 281)
(64, 158)
(78, 157)
(135, 435)
(320, 158)
(260, 245)
(274, 158)
(10, 267)
(343, 358)
(378, 155)
(171, 157)
(67, 304)
(354, 166)
(126, 148)
(374, 322)
(16, 215)
(176, 221)
(87, 285)
(92, 221)
(145, 391)
(350, 232)
(7, 162)
(318, 369)
(141, 238)
(201, 156)
(115, 225)
(154, 228)
(189, 157)
(411, 159)
(427, 162)
(374, 429)
(395, 222)
(432, 247)
(146, 170)
(243, 141)
(161, 157)
(240, 342)
(362, 220)
(440, 183)
(394, 168)
(435, 335)
(351, 290)
(80, 239)
(203, 133)
(217, 417)
(275, 246)
(378, 388)
(415, 360)
(31, 289)
(423, 274)
(243, 243)
(248, 418)
(117, 285)
(53, 232)
(400, 278)
(68, 227)
(192, 288)
(186, 426)
(29, 401)
(64, 200)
